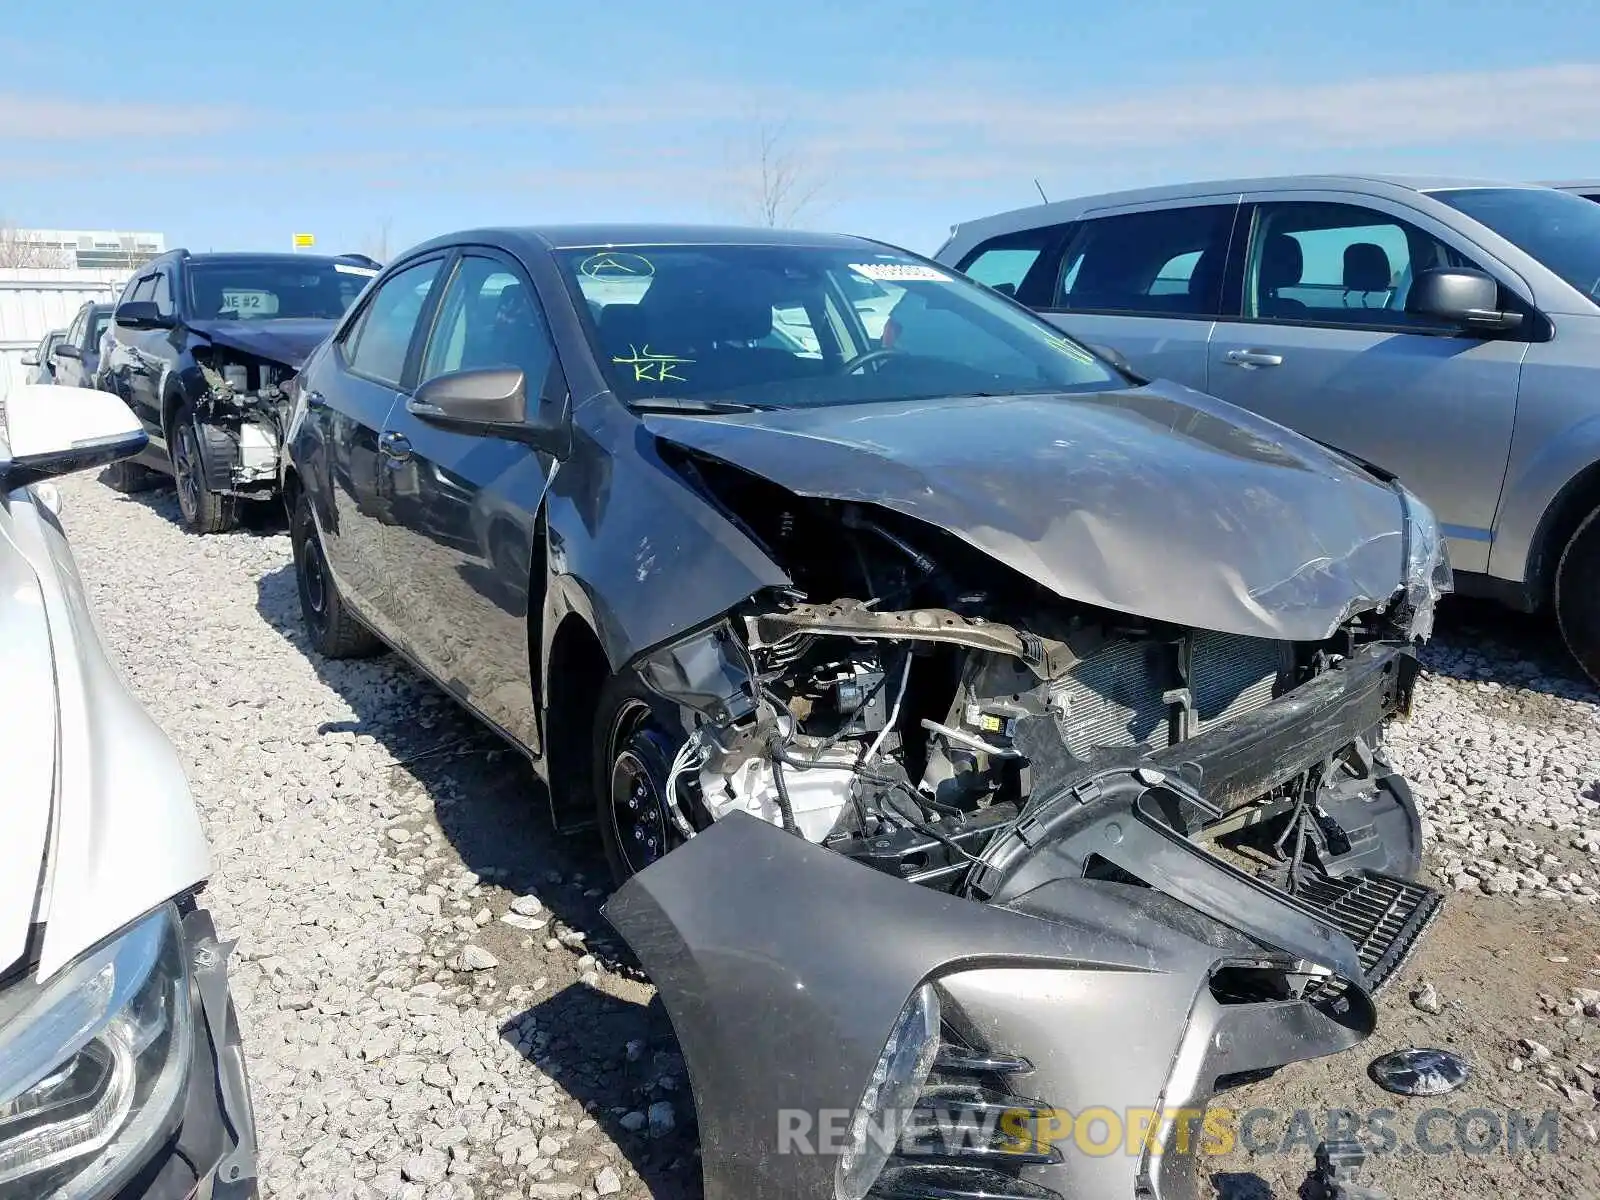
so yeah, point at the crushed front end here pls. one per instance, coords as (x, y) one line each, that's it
(242, 418)
(1151, 861)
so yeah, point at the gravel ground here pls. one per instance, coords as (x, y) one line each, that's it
(424, 1016)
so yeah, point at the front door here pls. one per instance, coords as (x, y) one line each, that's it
(464, 506)
(1325, 346)
(350, 396)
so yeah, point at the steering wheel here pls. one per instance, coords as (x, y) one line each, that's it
(867, 358)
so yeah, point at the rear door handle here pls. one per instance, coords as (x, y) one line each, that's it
(1253, 358)
(396, 447)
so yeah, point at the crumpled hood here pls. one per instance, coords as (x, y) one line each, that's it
(289, 341)
(1157, 501)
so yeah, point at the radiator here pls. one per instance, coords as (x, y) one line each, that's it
(1113, 698)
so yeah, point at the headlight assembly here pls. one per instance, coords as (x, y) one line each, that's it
(94, 1063)
(891, 1095)
(1428, 574)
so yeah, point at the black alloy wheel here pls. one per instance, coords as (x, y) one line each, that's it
(634, 824)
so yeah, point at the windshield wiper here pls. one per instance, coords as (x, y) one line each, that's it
(692, 404)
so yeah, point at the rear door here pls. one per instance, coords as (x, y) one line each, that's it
(349, 397)
(1322, 343)
(1146, 281)
(464, 506)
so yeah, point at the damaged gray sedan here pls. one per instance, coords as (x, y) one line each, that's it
(985, 739)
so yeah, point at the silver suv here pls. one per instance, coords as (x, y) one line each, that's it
(1446, 331)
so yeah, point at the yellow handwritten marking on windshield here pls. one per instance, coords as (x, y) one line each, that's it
(1071, 350)
(617, 266)
(653, 368)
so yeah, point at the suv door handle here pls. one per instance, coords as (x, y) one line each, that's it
(1250, 359)
(396, 447)
(315, 399)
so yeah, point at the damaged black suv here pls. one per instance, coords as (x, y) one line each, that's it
(203, 348)
(978, 732)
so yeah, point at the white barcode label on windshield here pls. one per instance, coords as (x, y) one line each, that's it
(899, 272)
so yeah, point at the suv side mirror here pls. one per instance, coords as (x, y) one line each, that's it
(30, 358)
(67, 350)
(53, 430)
(142, 314)
(489, 402)
(1469, 299)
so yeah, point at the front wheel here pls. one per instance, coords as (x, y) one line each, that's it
(1577, 595)
(335, 631)
(130, 477)
(635, 741)
(204, 511)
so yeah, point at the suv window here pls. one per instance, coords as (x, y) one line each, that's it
(1006, 263)
(99, 318)
(1338, 264)
(75, 330)
(489, 317)
(376, 346)
(163, 294)
(145, 289)
(1168, 262)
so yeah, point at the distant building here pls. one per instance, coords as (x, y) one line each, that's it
(95, 248)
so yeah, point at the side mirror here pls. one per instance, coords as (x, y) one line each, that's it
(68, 350)
(142, 314)
(53, 430)
(1118, 360)
(489, 402)
(30, 359)
(1469, 299)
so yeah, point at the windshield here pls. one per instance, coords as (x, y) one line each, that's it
(793, 326)
(1561, 230)
(271, 289)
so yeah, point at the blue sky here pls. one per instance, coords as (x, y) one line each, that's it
(234, 125)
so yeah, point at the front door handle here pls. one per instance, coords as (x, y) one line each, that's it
(316, 400)
(1250, 359)
(396, 447)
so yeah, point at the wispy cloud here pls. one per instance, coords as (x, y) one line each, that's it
(45, 118)
(661, 141)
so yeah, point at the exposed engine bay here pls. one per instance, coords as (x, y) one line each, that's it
(243, 419)
(919, 708)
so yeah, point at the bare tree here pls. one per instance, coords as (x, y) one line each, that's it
(376, 243)
(20, 248)
(783, 183)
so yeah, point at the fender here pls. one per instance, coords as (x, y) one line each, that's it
(636, 550)
(1529, 500)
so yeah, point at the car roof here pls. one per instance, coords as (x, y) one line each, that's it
(260, 256)
(1574, 185)
(1066, 209)
(561, 237)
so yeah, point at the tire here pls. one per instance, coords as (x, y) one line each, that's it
(203, 510)
(636, 736)
(1577, 595)
(334, 630)
(130, 477)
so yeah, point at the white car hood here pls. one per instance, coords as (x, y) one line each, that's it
(97, 824)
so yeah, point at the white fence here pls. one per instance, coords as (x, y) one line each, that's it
(34, 301)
